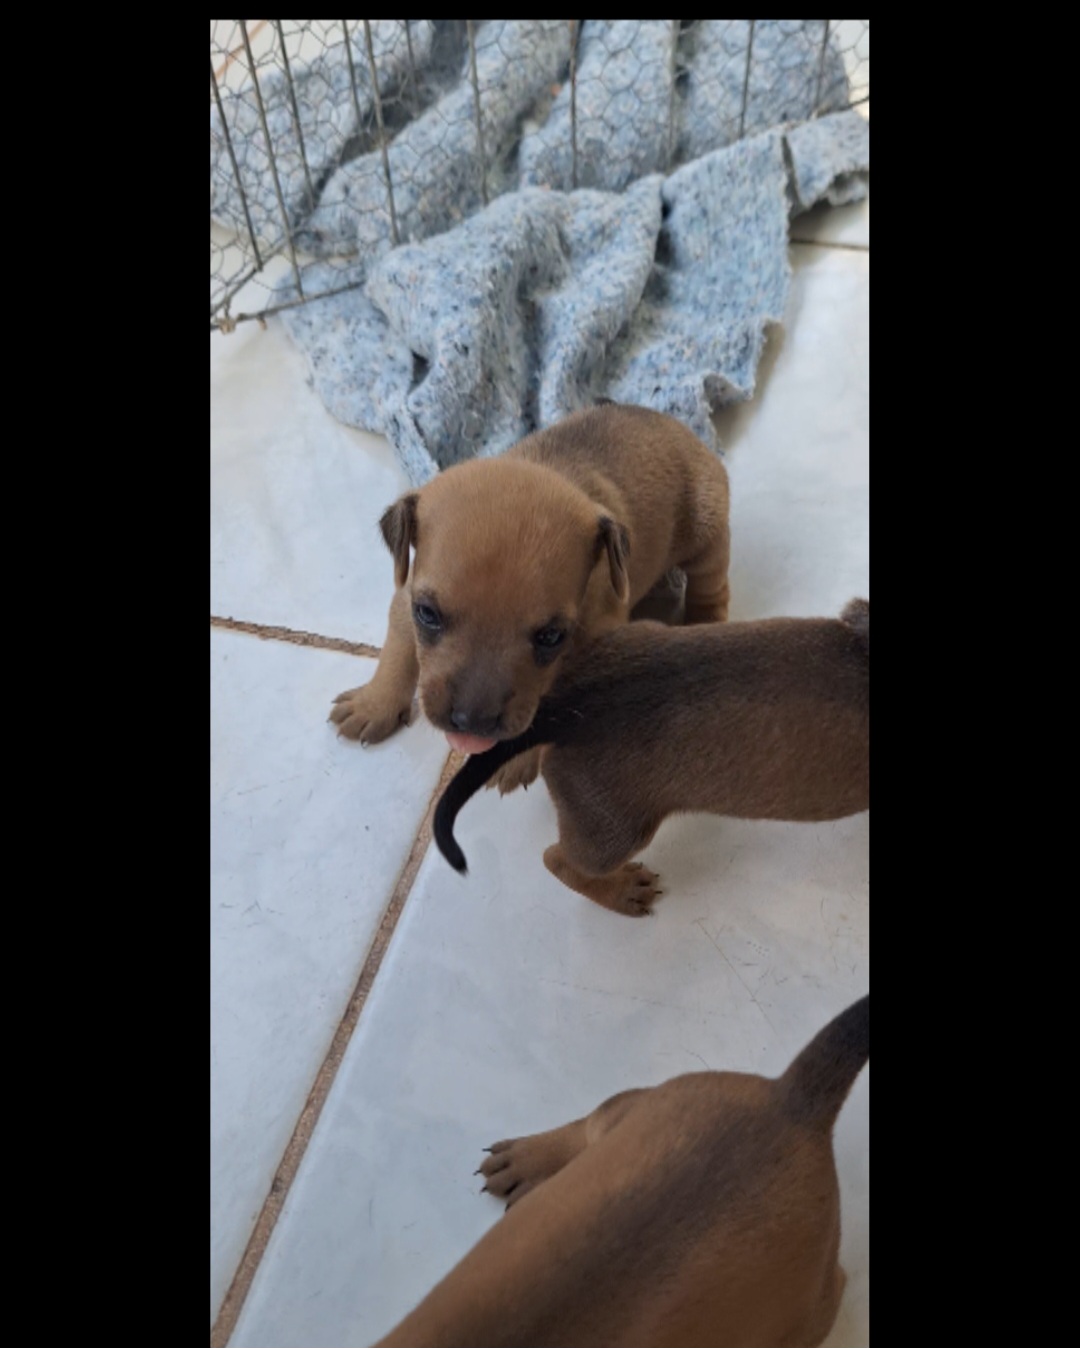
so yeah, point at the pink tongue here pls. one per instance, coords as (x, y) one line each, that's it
(468, 744)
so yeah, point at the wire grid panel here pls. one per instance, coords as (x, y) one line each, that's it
(338, 139)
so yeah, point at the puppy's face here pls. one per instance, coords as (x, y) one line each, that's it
(504, 552)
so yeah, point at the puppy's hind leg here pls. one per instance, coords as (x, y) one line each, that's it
(707, 591)
(515, 1167)
(596, 842)
(630, 889)
(665, 602)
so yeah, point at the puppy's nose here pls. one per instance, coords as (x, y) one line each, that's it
(474, 723)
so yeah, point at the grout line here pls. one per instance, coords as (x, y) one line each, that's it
(822, 243)
(297, 638)
(235, 1297)
(231, 56)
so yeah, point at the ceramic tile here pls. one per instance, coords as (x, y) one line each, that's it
(799, 453)
(507, 1003)
(307, 837)
(835, 225)
(228, 56)
(305, 40)
(295, 496)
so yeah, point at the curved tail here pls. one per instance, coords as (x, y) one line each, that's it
(478, 769)
(818, 1081)
(856, 615)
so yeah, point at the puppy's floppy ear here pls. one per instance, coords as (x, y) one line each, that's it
(613, 537)
(398, 527)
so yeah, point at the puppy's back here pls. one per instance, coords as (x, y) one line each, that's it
(648, 469)
(707, 1217)
(648, 671)
(755, 720)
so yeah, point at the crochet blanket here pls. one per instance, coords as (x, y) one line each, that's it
(652, 283)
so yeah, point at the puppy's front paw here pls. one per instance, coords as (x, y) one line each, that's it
(520, 771)
(515, 1167)
(368, 715)
(632, 890)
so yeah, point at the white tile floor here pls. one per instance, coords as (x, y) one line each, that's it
(505, 1003)
(306, 843)
(294, 538)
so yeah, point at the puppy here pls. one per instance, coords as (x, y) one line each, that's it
(522, 559)
(756, 720)
(703, 1213)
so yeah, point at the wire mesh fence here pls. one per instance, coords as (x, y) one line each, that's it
(338, 139)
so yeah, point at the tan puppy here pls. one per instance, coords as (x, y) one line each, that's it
(521, 560)
(756, 720)
(703, 1213)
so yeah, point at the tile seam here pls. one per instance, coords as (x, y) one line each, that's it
(295, 636)
(233, 1302)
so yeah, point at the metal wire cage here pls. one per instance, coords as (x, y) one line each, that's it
(337, 139)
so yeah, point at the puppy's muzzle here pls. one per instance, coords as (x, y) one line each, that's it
(476, 722)
(477, 704)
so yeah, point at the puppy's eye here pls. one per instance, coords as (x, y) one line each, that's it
(548, 638)
(427, 617)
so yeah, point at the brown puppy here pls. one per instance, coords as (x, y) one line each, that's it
(521, 560)
(757, 720)
(703, 1213)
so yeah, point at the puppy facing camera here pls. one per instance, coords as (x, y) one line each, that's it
(507, 568)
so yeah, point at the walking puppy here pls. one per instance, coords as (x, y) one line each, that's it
(521, 560)
(703, 1213)
(756, 720)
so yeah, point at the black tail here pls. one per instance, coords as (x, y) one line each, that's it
(818, 1081)
(478, 769)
